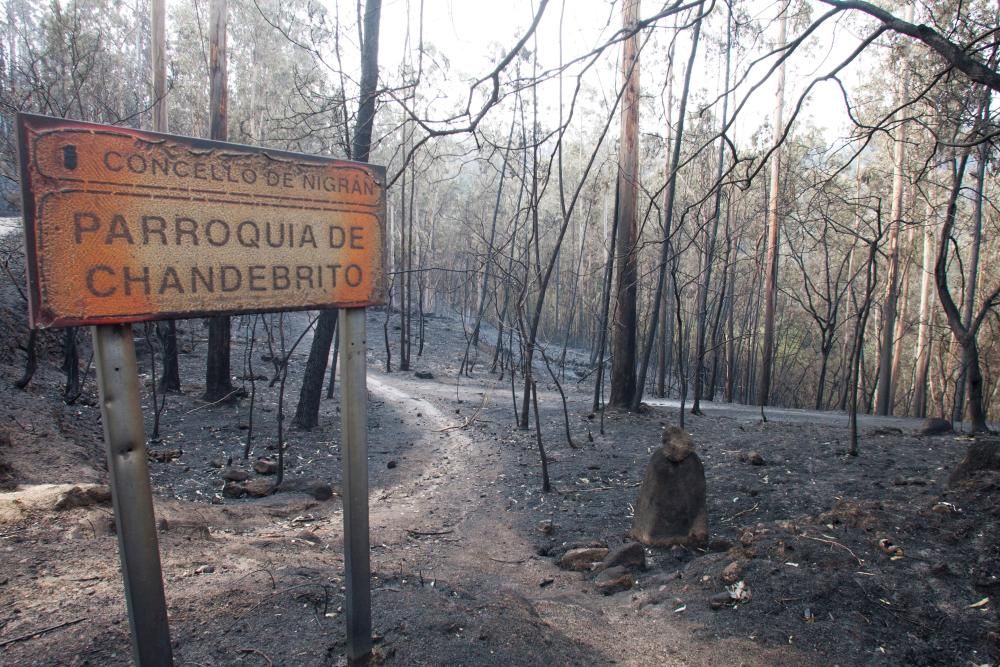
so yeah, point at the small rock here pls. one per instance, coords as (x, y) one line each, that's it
(753, 457)
(631, 556)
(934, 426)
(234, 490)
(680, 554)
(614, 580)
(660, 579)
(732, 573)
(909, 481)
(719, 545)
(205, 569)
(547, 527)
(655, 597)
(390, 465)
(720, 600)
(746, 537)
(557, 551)
(424, 375)
(258, 488)
(84, 496)
(583, 559)
(216, 463)
(309, 536)
(318, 489)
(545, 582)
(265, 466)
(235, 475)
(164, 455)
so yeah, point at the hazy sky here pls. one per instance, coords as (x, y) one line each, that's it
(471, 34)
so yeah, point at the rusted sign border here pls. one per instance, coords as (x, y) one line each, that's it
(40, 318)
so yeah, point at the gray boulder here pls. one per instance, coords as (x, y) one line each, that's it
(671, 505)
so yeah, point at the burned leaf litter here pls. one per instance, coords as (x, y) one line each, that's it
(821, 559)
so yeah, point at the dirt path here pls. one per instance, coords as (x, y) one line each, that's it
(456, 527)
(751, 413)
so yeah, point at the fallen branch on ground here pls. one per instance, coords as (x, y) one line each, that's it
(257, 652)
(38, 633)
(836, 544)
(469, 420)
(739, 514)
(427, 533)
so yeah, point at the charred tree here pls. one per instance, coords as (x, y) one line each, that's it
(965, 336)
(666, 254)
(319, 351)
(773, 224)
(710, 238)
(625, 323)
(166, 331)
(218, 378)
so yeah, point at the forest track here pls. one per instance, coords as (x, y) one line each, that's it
(426, 489)
(793, 415)
(455, 532)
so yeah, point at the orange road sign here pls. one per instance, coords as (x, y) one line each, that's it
(123, 225)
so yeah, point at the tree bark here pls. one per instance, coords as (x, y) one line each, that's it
(859, 343)
(901, 317)
(666, 322)
(973, 279)
(667, 244)
(883, 399)
(923, 353)
(605, 312)
(166, 331)
(466, 366)
(710, 238)
(319, 352)
(218, 377)
(954, 54)
(771, 264)
(71, 365)
(965, 336)
(625, 324)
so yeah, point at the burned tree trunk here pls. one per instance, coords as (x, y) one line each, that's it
(319, 352)
(625, 323)
(218, 379)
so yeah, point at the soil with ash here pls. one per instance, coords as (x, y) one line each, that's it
(873, 560)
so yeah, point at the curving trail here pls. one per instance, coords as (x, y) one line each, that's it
(453, 537)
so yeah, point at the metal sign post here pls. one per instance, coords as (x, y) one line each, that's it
(125, 440)
(354, 434)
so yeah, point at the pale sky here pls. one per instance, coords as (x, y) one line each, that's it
(471, 34)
